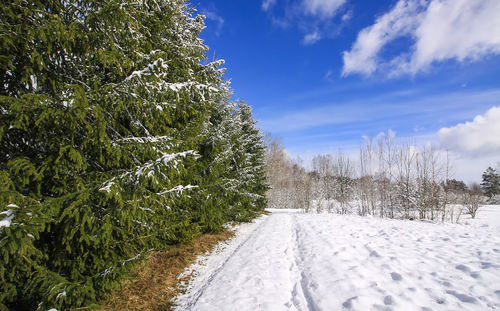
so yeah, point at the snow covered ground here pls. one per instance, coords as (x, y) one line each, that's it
(294, 261)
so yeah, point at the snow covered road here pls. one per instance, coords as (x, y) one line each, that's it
(294, 261)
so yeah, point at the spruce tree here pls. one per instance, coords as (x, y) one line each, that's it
(491, 182)
(250, 168)
(216, 153)
(234, 173)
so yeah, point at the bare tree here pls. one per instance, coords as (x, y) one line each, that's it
(366, 184)
(323, 166)
(446, 196)
(343, 171)
(395, 180)
(301, 186)
(423, 182)
(385, 173)
(474, 199)
(456, 191)
(405, 161)
(278, 171)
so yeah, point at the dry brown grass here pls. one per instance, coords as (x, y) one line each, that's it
(154, 283)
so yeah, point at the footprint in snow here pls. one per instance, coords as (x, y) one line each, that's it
(348, 303)
(388, 300)
(396, 276)
(462, 297)
(463, 268)
(487, 265)
(441, 301)
(475, 275)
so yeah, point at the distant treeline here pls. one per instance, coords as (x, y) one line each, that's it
(391, 179)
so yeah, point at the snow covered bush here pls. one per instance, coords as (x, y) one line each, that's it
(474, 198)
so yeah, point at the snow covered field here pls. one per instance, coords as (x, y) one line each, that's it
(295, 261)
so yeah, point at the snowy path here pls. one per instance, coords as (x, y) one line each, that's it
(294, 261)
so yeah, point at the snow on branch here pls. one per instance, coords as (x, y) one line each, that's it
(106, 187)
(141, 140)
(178, 189)
(176, 87)
(9, 216)
(131, 259)
(148, 70)
(148, 169)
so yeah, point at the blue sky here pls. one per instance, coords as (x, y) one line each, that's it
(321, 74)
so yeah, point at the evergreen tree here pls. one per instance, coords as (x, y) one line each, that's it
(456, 186)
(250, 167)
(106, 108)
(491, 182)
(234, 154)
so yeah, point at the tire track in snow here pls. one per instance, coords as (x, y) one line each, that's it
(301, 288)
(199, 292)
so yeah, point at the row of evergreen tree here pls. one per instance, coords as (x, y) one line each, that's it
(117, 137)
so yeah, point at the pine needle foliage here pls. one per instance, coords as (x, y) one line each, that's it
(491, 182)
(116, 138)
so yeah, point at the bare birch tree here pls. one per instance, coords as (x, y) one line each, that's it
(366, 184)
(343, 172)
(323, 166)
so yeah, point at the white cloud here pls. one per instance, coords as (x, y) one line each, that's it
(347, 16)
(363, 56)
(457, 29)
(316, 19)
(311, 38)
(470, 169)
(322, 8)
(267, 4)
(439, 29)
(328, 75)
(217, 19)
(479, 137)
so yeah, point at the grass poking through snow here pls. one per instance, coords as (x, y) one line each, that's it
(153, 284)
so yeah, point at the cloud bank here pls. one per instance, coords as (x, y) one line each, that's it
(438, 30)
(478, 138)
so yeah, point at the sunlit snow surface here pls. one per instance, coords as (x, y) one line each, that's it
(295, 261)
